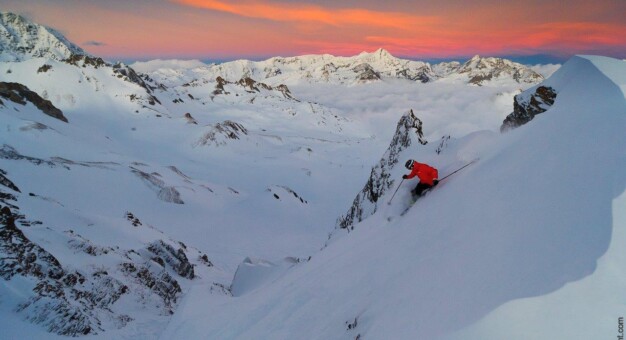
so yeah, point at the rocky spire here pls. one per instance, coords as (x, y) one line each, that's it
(408, 131)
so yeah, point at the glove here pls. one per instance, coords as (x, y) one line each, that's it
(435, 182)
(405, 176)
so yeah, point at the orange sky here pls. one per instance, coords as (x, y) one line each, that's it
(420, 29)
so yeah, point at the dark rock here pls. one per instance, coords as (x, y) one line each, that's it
(176, 259)
(190, 119)
(130, 75)
(80, 243)
(85, 60)
(65, 303)
(132, 219)
(423, 75)
(44, 68)
(205, 259)
(20, 94)
(219, 87)
(162, 284)
(6, 182)
(526, 107)
(226, 129)
(249, 84)
(22, 256)
(366, 73)
(285, 91)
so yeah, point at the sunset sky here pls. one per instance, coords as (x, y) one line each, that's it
(219, 30)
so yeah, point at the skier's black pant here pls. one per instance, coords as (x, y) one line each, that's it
(420, 188)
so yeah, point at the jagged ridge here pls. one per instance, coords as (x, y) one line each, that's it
(366, 202)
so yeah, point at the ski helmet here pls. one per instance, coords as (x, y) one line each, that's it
(409, 164)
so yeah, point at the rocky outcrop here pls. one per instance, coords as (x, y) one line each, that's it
(44, 68)
(423, 74)
(190, 119)
(7, 182)
(128, 74)
(280, 191)
(85, 60)
(282, 88)
(220, 133)
(365, 204)
(527, 105)
(83, 302)
(480, 70)
(219, 87)
(176, 259)
(366, 73)
(20, 94)
(251, 86)
(159, 282)
(121, 70)
(64, 302)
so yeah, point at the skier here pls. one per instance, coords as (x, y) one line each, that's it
(426, 173)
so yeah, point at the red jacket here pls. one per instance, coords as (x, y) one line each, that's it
(426, 173)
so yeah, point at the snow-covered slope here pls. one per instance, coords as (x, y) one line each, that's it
(22, 39)
(531, 218)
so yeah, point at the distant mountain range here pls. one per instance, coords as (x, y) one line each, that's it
(21, 39)
(366, 67)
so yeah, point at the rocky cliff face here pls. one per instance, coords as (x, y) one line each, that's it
(527, 105)
(408, 131)
(21, 39)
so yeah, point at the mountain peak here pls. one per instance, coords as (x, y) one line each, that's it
(383, 53)
(379, 54)
(21, 39)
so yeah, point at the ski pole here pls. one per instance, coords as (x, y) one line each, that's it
(394, 194)
(459, 169)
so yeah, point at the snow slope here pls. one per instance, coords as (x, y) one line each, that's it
(531, 228)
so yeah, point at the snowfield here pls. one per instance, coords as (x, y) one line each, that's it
(508, 247)
(189, 201)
